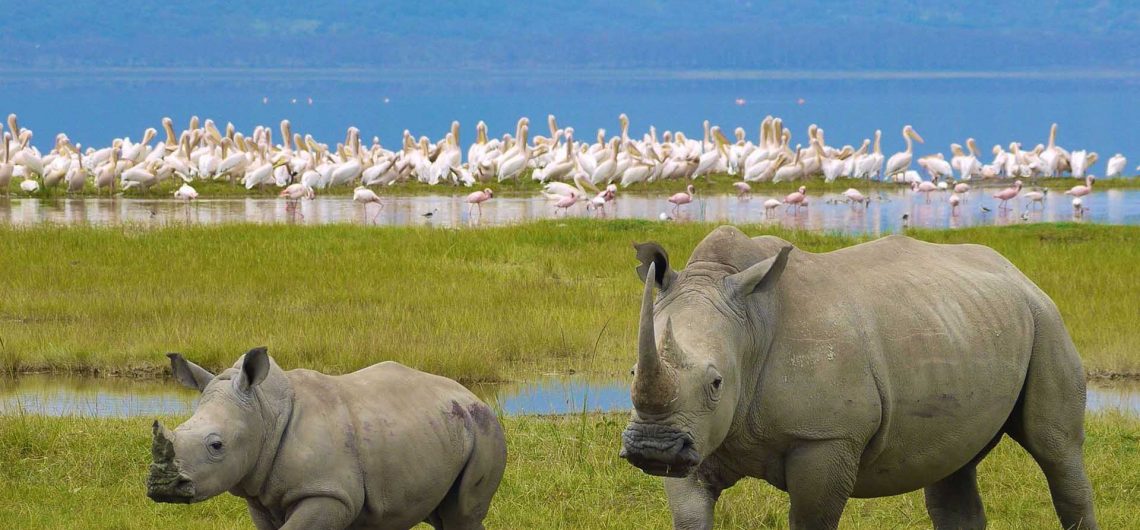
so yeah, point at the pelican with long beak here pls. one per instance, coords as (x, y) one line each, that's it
(899, 163)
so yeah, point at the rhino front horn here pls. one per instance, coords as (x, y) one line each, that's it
(652, 386)
(166, 482)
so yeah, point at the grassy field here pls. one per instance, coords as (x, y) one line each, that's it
(563, 472)
(713, 184)
(478, 305)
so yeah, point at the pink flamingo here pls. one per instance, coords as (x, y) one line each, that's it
(924, 187)
(1081, 191)
(601, 199)
(566, 202)
(853, 196)
(770, 206)
(954, 202)
(743, 189)
(796, 198)
(1007, 194)
(477, 199)
(366, 196)
(1036, 197)
(681, 198)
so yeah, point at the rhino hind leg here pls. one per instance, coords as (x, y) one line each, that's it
(469, 499)
(954, 503)
(1049, 421)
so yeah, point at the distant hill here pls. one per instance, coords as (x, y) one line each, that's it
(516, 35)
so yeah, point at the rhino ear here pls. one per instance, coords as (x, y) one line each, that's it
(188, 373)
(254, 368)
(759, 277)
(651, 252)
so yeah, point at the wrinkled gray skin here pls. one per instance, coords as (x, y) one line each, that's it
(386, 447)
(866, 372)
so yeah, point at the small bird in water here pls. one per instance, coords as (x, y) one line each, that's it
(906, 220)
(429, 215)
(986, 210)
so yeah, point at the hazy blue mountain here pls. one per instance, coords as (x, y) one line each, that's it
(518, 35)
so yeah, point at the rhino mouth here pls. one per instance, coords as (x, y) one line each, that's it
(659, 450)
(169, 485)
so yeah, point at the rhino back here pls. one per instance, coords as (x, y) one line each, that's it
(393, 438)
(919, 349)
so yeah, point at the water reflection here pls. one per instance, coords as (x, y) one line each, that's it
(91, 397)
(884, 214)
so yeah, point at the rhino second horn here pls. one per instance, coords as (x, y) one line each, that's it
(162, 446)
(653, 387)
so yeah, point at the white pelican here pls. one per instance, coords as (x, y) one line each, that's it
(605, 171)
(1115, 167)
(515, 160)
(791, 171)
(872, 164)
(899, 163)
(936, 166)
(186, 193)
(29, 185)
(5, 165)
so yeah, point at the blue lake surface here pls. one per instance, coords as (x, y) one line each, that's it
(90, 397)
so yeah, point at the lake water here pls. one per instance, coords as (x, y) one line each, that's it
(1096, 114)
(91, 397)
(883, 215)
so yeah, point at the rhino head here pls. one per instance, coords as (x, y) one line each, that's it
(688, 378)
(221, 444)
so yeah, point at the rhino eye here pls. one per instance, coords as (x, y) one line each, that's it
(217, 446)
(716, 382)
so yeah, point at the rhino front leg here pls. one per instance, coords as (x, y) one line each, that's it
(319, 513)
(820, 477)
(692, 501)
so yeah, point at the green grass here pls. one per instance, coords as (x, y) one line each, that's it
(562, 472)
(477, 305)
(713, 184)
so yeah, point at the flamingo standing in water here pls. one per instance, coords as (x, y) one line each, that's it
(684, 197)
(743, 189)
(962, 189)
(477, 199)
(924, 186)
(566, 202)
(770, 206)
(366, 196)
(854, 196)
(1078, 209)
(1036, 197)
(1009, 193)
(796, 198)
(1081, 191)
(954, 202)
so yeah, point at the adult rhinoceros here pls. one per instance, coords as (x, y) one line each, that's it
(383, 447)
(870, 371)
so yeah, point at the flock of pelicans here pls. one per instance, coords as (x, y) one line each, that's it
(572, 171)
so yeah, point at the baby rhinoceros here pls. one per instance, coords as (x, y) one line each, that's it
(383, 447)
